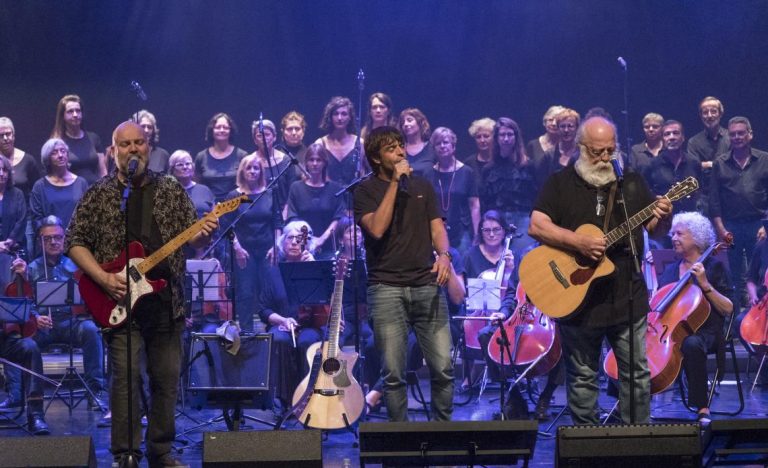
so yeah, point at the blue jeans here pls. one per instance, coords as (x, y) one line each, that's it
(395, 309)
(581, 350)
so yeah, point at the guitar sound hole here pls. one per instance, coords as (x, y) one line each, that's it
(331, 366)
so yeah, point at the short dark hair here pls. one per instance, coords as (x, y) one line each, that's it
(378, 139)
(669, 122)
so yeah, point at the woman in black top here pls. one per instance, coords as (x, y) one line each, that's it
(86, 151)
(379, 113)
(217, 165)
(314, 200)
(692, 234)
(254, 237)
(414, 126)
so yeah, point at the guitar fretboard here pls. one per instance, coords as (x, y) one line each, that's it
(634, 221)
(335, 320)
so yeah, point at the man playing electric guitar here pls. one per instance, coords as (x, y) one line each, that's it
(159, 210)
(581, 194)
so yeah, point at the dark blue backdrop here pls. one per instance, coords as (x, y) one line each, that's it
(457, 61)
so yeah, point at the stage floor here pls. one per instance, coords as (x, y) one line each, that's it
(340, 445)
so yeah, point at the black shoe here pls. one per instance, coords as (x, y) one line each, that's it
(167, 461)
(99, 403)
(37, 425)
(542, 409)
(9, 405)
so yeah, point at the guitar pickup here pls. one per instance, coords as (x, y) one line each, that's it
(558, 274)
(328, 392)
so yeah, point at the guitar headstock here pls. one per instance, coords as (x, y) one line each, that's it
(228, 206)
(341, 268)
(683, 188)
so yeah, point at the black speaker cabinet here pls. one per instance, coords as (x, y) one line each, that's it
(265, 449)
(212, 368)
(639, 445)
(447, 443)
(59, 452)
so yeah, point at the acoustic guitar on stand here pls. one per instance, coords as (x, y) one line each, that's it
(330, 397)
(109, 313)
(557, 281)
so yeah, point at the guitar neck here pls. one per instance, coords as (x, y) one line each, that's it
(628, 226)
(160, 254)
(335, 320)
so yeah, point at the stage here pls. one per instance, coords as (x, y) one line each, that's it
(340, 445)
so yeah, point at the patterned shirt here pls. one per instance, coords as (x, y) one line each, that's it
(99, 225)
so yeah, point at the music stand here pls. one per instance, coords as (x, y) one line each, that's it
(64, 293)
(308, 283)
(483, 294)
(18, 310)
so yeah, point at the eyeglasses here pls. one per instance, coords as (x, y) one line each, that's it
(183, 164)
(297, 238)
(56, 237)
(599, 153)
(493, 231)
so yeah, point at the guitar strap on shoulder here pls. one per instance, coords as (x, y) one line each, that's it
(609, 206)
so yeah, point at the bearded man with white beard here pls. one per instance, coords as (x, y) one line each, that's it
(581, 194)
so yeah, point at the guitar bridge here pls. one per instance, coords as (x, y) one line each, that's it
(558, 274)
(328, 392)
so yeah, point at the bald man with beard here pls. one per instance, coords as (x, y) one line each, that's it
(577, 195)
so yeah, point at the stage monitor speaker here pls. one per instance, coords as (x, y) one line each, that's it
(638, 445)
(265, 449)
(744, 439)
(59, 452)
(447, 442)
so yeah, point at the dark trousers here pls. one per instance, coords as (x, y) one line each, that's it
(163, 357)
(695, 349)
(26, 353)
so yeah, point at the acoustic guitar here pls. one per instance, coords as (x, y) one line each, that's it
(557, 281)
(330, 397)
(109, 313)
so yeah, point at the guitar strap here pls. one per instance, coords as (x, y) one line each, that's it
(147, 210)
(609, 207)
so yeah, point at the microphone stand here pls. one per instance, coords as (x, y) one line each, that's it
(636, 272)
(360, 87)
(268, 155)
(129, 460)
(350, 190)
(623, 64)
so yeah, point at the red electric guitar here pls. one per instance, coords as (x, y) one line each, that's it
(109, 313)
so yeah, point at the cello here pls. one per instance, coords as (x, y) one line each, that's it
(473, 326)
(20, 287)
(534, 339)
(678, 310)
(754, 326)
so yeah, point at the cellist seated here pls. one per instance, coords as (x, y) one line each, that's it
(692, 234)
(290, 340)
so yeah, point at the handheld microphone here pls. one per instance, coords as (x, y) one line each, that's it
(136, 87)
(617, 167)
(133, 165)
(402, 183)
(622, 62)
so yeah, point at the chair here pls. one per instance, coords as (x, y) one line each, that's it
(726, 346)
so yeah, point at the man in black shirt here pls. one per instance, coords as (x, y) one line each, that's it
(402, 228)
(713, 140)
(566, 201)
(739, 199)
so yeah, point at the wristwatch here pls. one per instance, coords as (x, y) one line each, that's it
(447, 254)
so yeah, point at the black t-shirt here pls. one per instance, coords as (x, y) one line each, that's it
(570, 202)
(218, 174)
(255, 229)
(403, 255)
(83, 155)
(453, 190)
(661, 173)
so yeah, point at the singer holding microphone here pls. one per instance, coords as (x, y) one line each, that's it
(585, 192)
(408, 263)
(158, 210)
